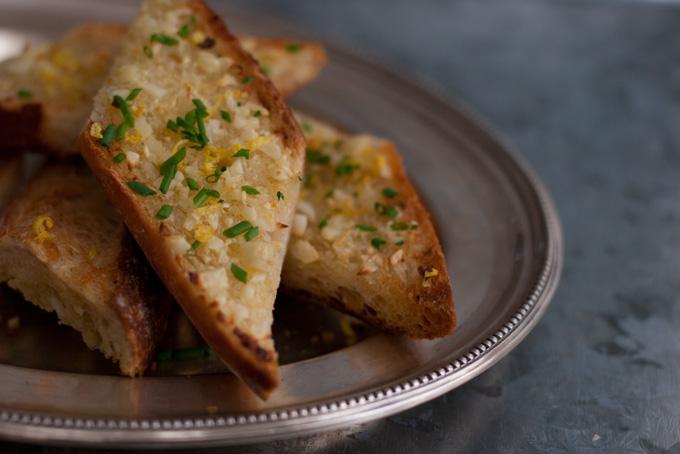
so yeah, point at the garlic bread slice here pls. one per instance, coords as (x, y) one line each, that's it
(46, 92)
(64, 248)
(203, 160)
(362, 240)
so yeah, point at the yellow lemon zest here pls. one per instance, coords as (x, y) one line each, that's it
(63, 59)
(203, 232)
(138, 110)
(133, 136)
(41, 227)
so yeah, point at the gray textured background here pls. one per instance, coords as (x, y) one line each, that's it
(589, 92)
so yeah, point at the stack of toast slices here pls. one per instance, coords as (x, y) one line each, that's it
(201, 187)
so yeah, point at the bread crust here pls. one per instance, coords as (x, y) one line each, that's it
(253, 364)
(122, 281)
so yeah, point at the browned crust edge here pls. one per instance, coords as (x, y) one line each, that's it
(257, 369)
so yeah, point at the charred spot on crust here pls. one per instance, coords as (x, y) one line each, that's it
(207, 43)
(251, 344)
(193, 277)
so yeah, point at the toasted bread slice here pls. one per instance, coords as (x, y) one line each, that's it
(66, 254)
(362, 240)
(46, 92)
(204, 116)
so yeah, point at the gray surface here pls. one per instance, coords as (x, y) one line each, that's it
(588, 92)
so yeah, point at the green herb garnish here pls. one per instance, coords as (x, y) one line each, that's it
(215, 176)
(107, 136)
(399, 243)
(184, 31)
(389, 193)
(122, 104)
(293, 48)
(226, 116)
(239, 273)
(237, 229)
(328, 194)
(252, 233)
(120, 157)
(414, 226)
(195, 245)
(345, 167)
(164, 39)
(249, 190)
(279, 195)
(24, 94)
(323, 223)
(120, 131)
(202, 196)
(257, 113)
(366, 228)
(317, 157)
(377, 242)
(266, 70)
(193, 184)
(133, 94)
(148, 52)
(171, 125)
(164, 212)
(247, 80)
(399, 226)
(140, 188)
(242, 153)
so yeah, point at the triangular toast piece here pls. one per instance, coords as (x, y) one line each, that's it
(66, 254)
(362, 240)
(203, 160)
(46, 92)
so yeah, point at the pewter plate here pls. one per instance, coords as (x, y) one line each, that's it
(498, 227)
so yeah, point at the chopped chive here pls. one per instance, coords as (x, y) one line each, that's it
(389, 193)
(202, 196)
(247, 80)
(386, 210)
(215, 176)
(226, 116)
(279, 195)
(317, 157)
(392, 211)
(173, 160)
(164, 212)
(195, 245)
(237, 229)
(164, 39)
(252, 233)
(399, 226)
(193, 184)
(200, 106)
(345, 168)
(328, 194)
(399, 243)
(293, 48)
(140, 188)
(120, 157)
(171, 125)
(266, 70)
(119, 102)
(249, 190)
(193, 19)
(323, 223)
(366, 228)
(242, 153)
(257, 113)
(168, 176)
(148, 52)
(107, 137)
(120, 131)
(24, 94)
(184, 31)
(239, 273)
(377, 242)
(414, 226)
(133, 94)
(306, 127)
